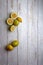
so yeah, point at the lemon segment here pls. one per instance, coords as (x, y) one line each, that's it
(15, 43)
(9, 47)
(12, 28)
(13, 15)
(9, 21)
(16, 22)
(19, 19)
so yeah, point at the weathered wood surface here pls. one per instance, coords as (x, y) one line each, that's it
(29, 32)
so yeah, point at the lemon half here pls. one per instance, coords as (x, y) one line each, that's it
(13, 15)
(12, 28)
(9, 21)
(19, 19)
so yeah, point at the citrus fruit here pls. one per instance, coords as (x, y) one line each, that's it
(16, 22)
(19, 19)
(13, 15)
(15, 43)
(9, 21)
(9, 47)
(12, 28)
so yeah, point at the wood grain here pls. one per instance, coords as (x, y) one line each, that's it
(40, 34)
(12, 56)
(32, 32)
(3, 32)
(22, 33)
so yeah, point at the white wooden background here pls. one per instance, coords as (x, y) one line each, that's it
(29, 32)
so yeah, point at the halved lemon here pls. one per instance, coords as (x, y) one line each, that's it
(9, 21)
(12, 28)
(16, 22)
(13, 15)
(19, 19)
(9, 47)
(15, 43)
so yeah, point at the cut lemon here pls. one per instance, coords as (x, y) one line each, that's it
(12, 28)
(13, 15)
(19, 19)
(15, 43)
(9, 21)
(16, 22)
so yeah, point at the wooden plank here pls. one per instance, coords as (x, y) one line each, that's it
(32, 32)
(12, 56)
(22, 33)
(40, 33)
(3, 32)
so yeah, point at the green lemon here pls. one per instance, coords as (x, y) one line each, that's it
(15, 43)
(16, 22)
(9, 47)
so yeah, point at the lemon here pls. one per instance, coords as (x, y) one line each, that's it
(16, 22)
(13, 15)
(9, 47)
(12, 28)
(19, 19)
(9, 21)
(15, 43)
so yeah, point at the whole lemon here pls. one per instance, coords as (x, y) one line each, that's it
(9, 47)
(15, 43)
(16, 22)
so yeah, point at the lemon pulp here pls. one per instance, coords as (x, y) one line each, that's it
(19, 19)
(9, 21)
(12, 28)
(13, 15)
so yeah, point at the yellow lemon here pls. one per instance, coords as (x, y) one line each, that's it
(13, 15)
(19, 19)
(16, 22)
(9, 47)
(12, 28)
(15, 43)
(9, 21)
